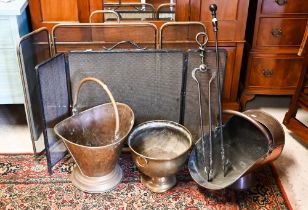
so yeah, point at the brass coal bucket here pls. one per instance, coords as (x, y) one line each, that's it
(94, 138)
(159, 150)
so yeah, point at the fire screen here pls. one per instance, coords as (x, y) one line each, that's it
(148, 81)
(32, 50)
(156, 84)
(55, 105)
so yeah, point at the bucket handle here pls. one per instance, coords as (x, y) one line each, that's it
(97, 81)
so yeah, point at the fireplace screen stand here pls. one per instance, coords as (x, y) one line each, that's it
(157, 84)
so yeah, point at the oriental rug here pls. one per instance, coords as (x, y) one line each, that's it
(25, 184)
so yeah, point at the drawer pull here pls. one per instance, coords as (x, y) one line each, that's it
(281, 2)
(276, 32)
(267, 72)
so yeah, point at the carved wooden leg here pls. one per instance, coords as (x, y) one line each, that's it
(245, 98)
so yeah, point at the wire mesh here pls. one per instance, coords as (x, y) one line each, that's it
(55, 101)
(148, 81)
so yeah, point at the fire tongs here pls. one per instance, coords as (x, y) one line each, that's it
(208, 165)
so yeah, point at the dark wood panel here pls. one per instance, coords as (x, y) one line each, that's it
(35, 13)
(226, 31)
(66, 10)
(121, 1)
(51, 12)
(95, 5)
(84, 15)
(182, 10)
(226, 10)
(231, 55)
(195, 10)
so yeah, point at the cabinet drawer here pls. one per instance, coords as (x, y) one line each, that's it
(8, 60)
(281, 32)
(284, 6)
(10, 88)
(274, 72)
(6, 33)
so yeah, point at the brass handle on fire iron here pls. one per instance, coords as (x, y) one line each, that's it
(92, 79)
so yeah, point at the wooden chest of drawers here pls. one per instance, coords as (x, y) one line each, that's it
(273, 67)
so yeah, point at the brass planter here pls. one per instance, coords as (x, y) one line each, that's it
(159, 150)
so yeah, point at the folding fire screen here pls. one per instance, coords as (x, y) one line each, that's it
(156, 84)
(32, 50)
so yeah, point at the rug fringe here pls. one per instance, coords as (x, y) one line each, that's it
(15, 154)
(279, 182)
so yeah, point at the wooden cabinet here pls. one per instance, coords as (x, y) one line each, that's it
(231, 14)
(13, 24)
(51, 12)
(273, 67)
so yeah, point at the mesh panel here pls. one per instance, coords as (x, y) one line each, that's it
(55, 105)
(148, 81)
(98, 36)
(33, 49)
(191, 116)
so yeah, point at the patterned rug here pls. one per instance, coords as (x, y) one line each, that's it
(25, 184)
